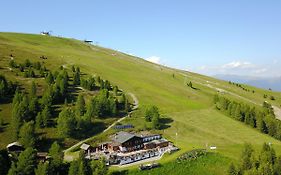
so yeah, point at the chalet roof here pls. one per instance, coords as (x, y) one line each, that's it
(85, 146)
(43, 154)
(14, 144)
(122, 137)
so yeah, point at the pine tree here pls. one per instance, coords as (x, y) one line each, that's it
(12, 64)
(47, 98)
(267, 155)
(91, 109)
(73, 68)
(16, 121)
(74, 167)
(27, 135)
(26, 161)
(13, 169)
(66, 122)
(232, 170)
(272, 128)
(190, 84)
(46, 115)
(33, 89)
(39, 120)
(115, 90)
(151, 112)
(237, 113)
(263, 127)
(246, 162)
(99, 167)
(50, 78)
(27, 63)
(80, 106)
(33, 107)
(81, 169)
(277, 166)
(155, 122)
(76, 77)
(112, 106)
(56, 157)
(42, 168)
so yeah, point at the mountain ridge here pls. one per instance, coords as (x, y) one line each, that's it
(273, 83)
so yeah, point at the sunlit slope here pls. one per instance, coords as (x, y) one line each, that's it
(195, 120)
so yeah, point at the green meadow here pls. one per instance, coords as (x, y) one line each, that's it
(193, 120)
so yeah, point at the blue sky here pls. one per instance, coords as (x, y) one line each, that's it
(209, 37)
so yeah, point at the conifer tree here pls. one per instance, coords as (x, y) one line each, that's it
(76, 77)
(33, 89)
(74, 167)
(80, 106)
(66, 122)
(42, 168)
(46, 115)
(26, 161)
(56, 157)
(232, 170)
(27, 135)
(50, 78)
(39, 120)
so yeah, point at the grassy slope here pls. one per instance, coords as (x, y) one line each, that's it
(195, 120)
(207, 165)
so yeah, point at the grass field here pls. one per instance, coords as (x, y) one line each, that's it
(191, 111)
(211, 164)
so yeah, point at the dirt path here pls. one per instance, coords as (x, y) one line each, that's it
(277, 112)
(68, 157)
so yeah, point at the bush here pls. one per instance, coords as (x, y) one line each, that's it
(191, 155)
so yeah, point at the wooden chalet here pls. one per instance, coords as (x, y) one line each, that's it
(15, 147)
(161, 143)
(126, 142)
(87, 148)
(42, 156)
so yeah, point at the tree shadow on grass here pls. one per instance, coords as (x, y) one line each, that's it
(165, 122)
(89, 131)
(122, 172)
(3, 127)
(45, 143)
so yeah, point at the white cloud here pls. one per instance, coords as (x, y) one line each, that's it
(154, 59)
(238, 65)
(259, 71)
(239, 68)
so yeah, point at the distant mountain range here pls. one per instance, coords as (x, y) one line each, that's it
(262, 82)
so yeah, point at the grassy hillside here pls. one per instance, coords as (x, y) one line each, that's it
(192, 112)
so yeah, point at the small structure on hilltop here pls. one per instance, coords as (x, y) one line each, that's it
(15, 147)
(88, 41)
(46, 33)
